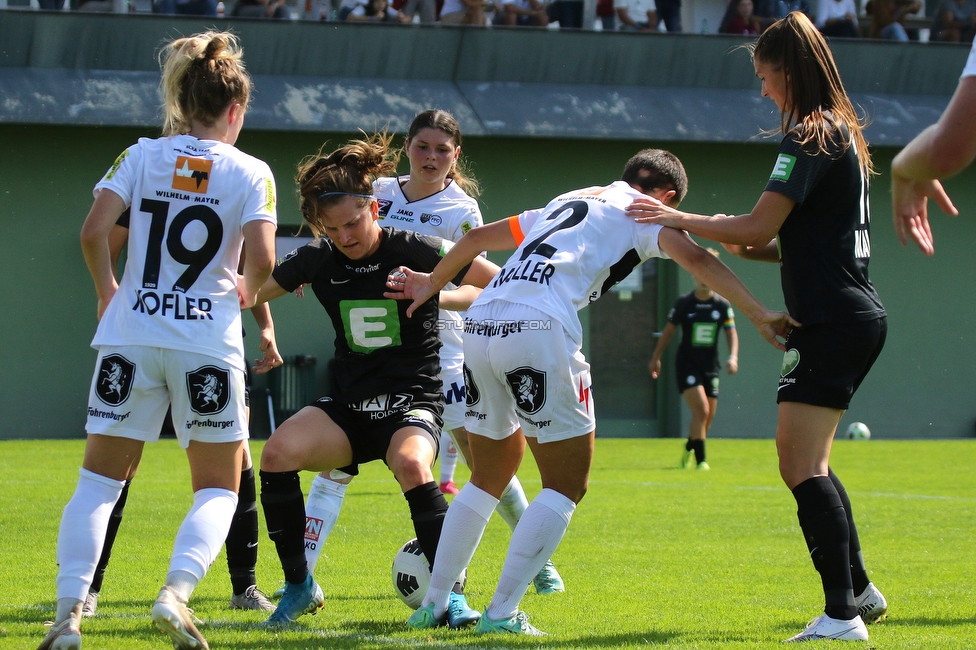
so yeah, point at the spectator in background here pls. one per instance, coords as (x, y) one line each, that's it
(769, 11)
(740, 19)
(261, 9)
(377, 11)
(637, 16)
(838, 18)
(887, 17)
(670, 12)
(568, 13)
(321, 9)
(186, 7)
(426, 8)
(606, 15)
(522, 13)
(346, 7)
(464, 12)
(954, 21)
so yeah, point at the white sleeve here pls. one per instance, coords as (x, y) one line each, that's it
(970, 69)
(262, 200)
(120, 177)
(529, 218)
(646, 240)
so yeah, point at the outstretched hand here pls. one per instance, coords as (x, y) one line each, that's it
(405, 284)
(910, 210)
(649, 210)
(773, 325)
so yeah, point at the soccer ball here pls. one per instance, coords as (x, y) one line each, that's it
(411, 574)
(858, 431)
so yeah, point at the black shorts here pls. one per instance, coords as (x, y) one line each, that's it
(824, 364)
(370, 431)
(690, 375)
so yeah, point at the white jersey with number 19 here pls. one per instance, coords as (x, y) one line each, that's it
(572, 251)
(189, 200)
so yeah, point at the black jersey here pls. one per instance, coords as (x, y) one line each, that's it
(825, 242)
(378, 349)
(700, 321)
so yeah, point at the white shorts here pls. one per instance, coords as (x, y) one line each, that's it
(134, 385)
(454, 402)
(524, 370)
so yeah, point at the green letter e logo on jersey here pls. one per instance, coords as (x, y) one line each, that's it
(370, 324)
(783, 167)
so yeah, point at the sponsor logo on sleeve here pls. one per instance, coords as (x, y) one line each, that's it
(115, 166)
(465, 227)
(270, 200)
(783, 167)
(384, 207)
(192, 174)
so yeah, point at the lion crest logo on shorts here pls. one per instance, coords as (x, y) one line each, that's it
(529, 388)
(471, 393)
(115, 379)
(209, 389)
(791, 359)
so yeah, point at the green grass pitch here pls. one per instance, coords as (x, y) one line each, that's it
(655, 556)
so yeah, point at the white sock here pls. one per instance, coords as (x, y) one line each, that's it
(200, 538)
(513, 503)
(324, 503)
(448, 457)
(535, 539)
(464, 525)
(82, 532)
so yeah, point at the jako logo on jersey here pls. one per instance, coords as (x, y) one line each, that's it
(791, 359)
(783, 167)
(209, 389)
(370, 324)
(529, 388)
(115, 379)
(192, 174)
(434, 219)
(471, 393)
(115, 166)
(384, 206)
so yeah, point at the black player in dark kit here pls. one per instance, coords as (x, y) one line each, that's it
(388, 401)
(814, 219)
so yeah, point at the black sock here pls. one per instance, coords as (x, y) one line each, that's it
(427, 509)
(688, 445)
(114, 521)
(859, 574)
(824, 524)
(284, 510)
(699, 446)
(242, 538)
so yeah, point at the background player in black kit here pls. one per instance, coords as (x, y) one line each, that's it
(700, 314)
(388, 399)
(813, 219)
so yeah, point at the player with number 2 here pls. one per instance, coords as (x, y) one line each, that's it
(522, 344)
